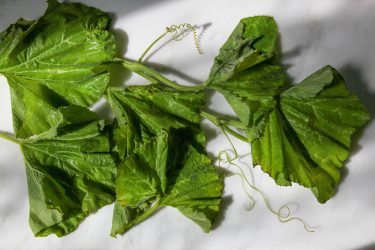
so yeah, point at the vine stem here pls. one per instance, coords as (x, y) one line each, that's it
(223, 120)
(224, 124)
(9, 137)
(235, 134)
(151, 45)
(154, 76)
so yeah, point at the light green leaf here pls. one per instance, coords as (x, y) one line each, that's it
(51, 62)
(69, 176)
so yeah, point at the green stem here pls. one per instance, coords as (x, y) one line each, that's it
(150, 46)
(9, 137)
(233, 123)
(235, 134)
(222, 120)
(224, 123)
(154, 76)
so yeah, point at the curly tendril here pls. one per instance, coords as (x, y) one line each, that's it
(225, 158)
(228, 160)
(177, 37)
(183, 27)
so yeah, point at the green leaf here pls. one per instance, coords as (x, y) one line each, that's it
(254, 40)
(162, 161)
(193, 185)
(195, 188)
(252, 95)
(300, 135)
(244, 72)
(51, 63)
(307, 136)
(158, 105)
(144, 111)
(142, 175)
(69, 176)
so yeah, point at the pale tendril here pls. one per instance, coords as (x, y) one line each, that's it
(283, 213)
(177, 37)
(183, 27)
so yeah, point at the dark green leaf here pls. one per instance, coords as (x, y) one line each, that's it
(162, 158)
(300, 135)
(191, 183)
(194, 188)
(144, 111)
(307, 138)
(254, 40)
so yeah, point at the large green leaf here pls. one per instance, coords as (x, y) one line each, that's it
(70, 175)
(162, 158)
(254, 40)
(51, 62)
(301, 134)
(307, 137)
(193, 185)
(244, 71)
(144, 111)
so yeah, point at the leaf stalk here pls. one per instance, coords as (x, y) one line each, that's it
(154, 76)
(9, 137)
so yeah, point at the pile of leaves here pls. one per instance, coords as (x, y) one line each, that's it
(153, 154)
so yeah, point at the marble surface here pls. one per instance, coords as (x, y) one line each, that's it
(313, 33)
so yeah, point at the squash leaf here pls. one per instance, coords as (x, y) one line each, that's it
(253, 40)
(301, 134)
(308, 136)
(51, 62)
(70, 175)
(162, 158)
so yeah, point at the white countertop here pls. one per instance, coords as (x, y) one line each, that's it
(313, 33)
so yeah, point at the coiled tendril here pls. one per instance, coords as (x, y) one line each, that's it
(183, 27)
(177, 37)
(224, 157)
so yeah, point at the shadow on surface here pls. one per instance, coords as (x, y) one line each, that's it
(357, 85)
(13, 185)
(286, 66)
(354, 78)
(225, 203)
(370, 246)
